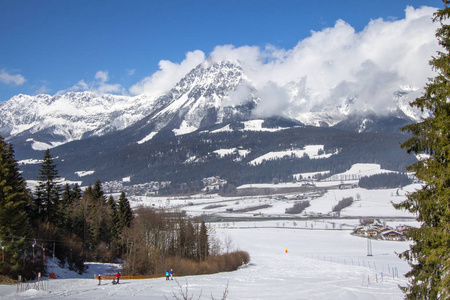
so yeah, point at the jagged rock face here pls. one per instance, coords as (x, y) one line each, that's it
(199, 100)
(196, 101)
(63, 118)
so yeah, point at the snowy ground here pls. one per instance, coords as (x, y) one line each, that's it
(320, 264)
(367, 203)
(323, 261)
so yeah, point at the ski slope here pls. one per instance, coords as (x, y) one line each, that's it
(319, 264)
(323, 260)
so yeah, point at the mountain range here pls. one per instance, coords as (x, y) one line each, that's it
(176, 136)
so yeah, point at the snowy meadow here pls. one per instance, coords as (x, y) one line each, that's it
(292, 256)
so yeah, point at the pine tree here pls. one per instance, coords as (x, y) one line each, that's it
(114, 217)
(48, 191)
(76, 192)
(203, 246)
(125, 212)
(429, 255)
(98, 194)
(14, 226)
(181, 238)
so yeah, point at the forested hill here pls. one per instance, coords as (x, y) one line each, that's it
(239, 156)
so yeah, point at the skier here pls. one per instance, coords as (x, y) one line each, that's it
(171, 274)
(167, 275)
(117, 277)
(99, 279)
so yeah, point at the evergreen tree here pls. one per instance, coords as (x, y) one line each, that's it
(429, 255)
(76, 192)
(14, 226)
(97, 193)
(181, 245)
(191, 241)
(63, 213)
(125, 212)
(203, 246)
(48, 191)
(114, 217)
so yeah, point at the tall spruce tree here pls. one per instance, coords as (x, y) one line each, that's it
(429, 255)
(114, 217)
(48, 191)
(124, 211)
(203, 244)
(14, 226)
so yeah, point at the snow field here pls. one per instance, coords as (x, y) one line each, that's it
(313, 268)
(323, 261)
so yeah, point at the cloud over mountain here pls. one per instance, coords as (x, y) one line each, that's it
(168, 75)
(326, 68)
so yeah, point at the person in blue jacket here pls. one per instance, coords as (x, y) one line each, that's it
(167, 275)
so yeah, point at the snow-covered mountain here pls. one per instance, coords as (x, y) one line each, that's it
(212, 93)
(200, 100)
(45, 121)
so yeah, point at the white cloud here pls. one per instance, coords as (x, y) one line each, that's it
(102, 76)
(168, 75)
(321, 71)
(130, 71)
(99, 85)
(338, 62)
(7, 78)
(42, 90)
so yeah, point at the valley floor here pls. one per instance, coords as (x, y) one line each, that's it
(292, 256)
(319, 264)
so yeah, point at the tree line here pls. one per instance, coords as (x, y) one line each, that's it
(75, 225)
(55, 221)
(158, 240)
(385, 180)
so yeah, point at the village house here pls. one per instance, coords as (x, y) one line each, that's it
(377, 231)
(393, 235)
(371, 232)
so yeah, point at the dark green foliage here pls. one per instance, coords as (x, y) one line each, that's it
(429, 255)
(166, 158)
(73, 225)
(203, 245)
(114, 218)
(345, 202)
(47, 193)
(297, 208)
(124, 212)
(386, 180)
(15, 230)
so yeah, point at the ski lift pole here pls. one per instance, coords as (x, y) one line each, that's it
(33, 247)
(53, 264)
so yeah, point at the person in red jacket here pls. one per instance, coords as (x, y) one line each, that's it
(117, 277)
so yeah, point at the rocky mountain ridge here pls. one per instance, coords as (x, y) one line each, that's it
(213, 108)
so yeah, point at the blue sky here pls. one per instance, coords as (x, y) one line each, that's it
(57, 46)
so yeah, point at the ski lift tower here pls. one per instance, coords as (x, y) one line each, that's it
(369, 247)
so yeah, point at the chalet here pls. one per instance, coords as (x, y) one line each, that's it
(372, 232)
(360, 231)
(393, 235)
(344, 186)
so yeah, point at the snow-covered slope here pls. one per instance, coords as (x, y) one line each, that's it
(200, 99)
(212, 93)
(46, 121)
